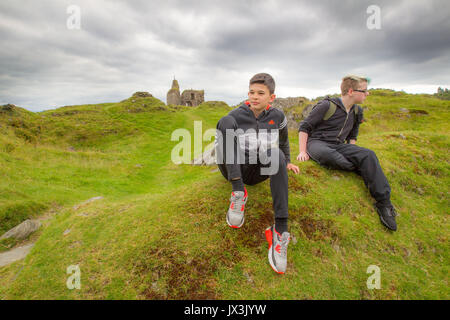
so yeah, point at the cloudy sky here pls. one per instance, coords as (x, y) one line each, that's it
(122, 47)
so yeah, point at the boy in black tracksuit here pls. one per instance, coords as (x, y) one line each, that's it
(252, 145)
(323, 136)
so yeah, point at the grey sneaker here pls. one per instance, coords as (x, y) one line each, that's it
(235, 214)
(278, 245)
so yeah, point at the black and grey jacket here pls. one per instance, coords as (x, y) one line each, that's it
(340, 127)
(270, 127)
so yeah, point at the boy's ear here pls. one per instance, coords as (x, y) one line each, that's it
(350, 92)
(272, 97)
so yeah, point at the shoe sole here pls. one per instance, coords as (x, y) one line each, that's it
(269, 237)
(383, 222)
(236, 227)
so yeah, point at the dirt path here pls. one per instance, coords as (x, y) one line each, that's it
(15, 254)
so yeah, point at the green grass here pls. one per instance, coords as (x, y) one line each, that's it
(160, 231)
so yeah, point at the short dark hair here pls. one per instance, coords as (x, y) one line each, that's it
(265, 79)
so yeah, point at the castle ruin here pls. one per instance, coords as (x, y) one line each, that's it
(189, 98)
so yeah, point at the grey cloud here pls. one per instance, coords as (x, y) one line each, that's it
(125, 46)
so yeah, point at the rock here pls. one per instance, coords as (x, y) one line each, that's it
(307, 110)
(417, 111)
(76, 244)
(15, 254)
(83, 214)
(66, 232)
(23, 230)
(76, 207)
(402, 136)
(404, 110)
(138, 166)
(293, 120)
(336, 248)
(142, 94)
(8, 107)
(248, 277)
(407, 252)
(208, 158)
(283, 103)
(294, 240)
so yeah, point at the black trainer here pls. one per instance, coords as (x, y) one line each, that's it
(387, 216)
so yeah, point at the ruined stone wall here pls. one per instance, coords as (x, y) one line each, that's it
(192, 98)
(285, 103)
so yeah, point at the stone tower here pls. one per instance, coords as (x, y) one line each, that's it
(173, 95)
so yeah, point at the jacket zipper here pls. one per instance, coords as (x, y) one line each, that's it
(340, 132)
(257, 128)
(257, 125)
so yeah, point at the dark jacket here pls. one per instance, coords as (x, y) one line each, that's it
(340, 127)
(270, 119)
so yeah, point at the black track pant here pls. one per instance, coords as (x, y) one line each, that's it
(351, 157)
(251, 173)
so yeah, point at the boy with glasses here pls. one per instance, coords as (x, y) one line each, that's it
(323, 136)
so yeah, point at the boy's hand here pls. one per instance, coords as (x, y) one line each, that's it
(293, 167)
(303, 156)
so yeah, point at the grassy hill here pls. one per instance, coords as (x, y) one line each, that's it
(160, 230)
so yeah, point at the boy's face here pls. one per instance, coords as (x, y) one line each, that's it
(361, 93)
(259, 96)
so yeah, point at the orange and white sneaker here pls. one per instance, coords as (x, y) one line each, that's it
(235, 214)
(278, 245)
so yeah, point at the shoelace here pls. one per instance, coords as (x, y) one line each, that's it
(392, 212)
(237, 202)
(284, 244)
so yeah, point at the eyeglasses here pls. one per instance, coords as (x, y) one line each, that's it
(363, 91)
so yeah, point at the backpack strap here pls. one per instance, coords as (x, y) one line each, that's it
(331, 110)
(359, 114)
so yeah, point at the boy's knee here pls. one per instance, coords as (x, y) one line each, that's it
(346, 165)
(371, 153)
(275, 156)
(227, 122)
(334, 160)
(318, 151)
